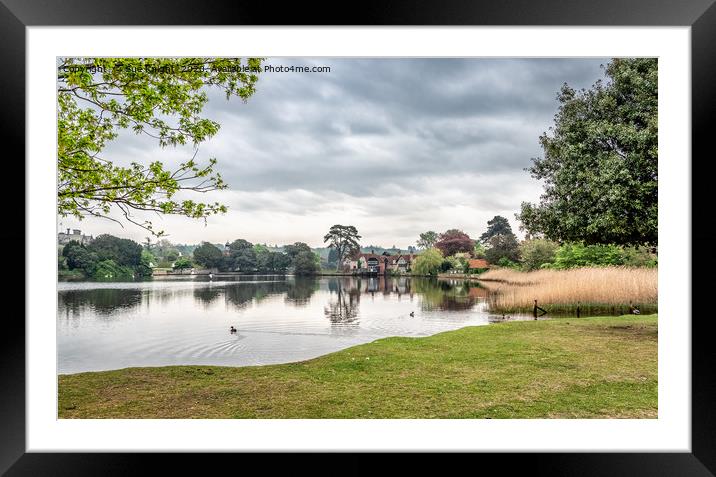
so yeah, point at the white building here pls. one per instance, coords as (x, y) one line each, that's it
(66, 237)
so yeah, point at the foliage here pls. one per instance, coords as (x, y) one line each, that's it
(244, 260)
(146, 263)
(268, 261)
(147, 258)
(110, 270)
(639, 257)
(242, 257)
(162, 249)
(574, 255)
(123, 252)
(427, 240)
(185, 249)
(62, 262)
(161, 98)
(498, 225)
(260, 248)
(280, 262)
(600, 161)
(248, 258)
(182, 263)
(71, 275)
(333, 258)
(306, 263)
(294, 249)
(502, 246)
(78, 257)
(208, 255)
(451, 263)
(428, 262)
(479, 250)
(343, 239)
(239, 245)
(454, 241)
(507, 263)
(536, 252)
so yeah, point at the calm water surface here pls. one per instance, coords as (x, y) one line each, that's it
(279, 319)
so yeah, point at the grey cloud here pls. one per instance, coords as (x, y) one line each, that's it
(374, 130)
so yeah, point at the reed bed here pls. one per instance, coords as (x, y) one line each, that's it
(607, 290)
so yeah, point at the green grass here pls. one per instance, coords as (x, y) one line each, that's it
(570, 309)
(603, 367)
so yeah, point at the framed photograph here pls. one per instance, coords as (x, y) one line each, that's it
(452, 228)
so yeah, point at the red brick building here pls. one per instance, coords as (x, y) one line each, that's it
(380, 264)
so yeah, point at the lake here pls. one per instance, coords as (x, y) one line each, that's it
(186, 321)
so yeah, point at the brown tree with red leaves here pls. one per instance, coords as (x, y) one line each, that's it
(454, 241)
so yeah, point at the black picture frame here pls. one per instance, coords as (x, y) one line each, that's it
(700, 15)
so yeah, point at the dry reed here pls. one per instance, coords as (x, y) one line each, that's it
(592, 288)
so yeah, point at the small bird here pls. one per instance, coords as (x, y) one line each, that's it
(412, 313)
(232, 329)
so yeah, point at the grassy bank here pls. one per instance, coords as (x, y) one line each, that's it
(565, 368)
(598, 290)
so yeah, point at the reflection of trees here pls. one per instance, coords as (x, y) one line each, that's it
(103, 301)
(241, 294)
(436, 294)
(206, 295)
(299, 291)
(165, 296)
(344, 309)
(453, 295)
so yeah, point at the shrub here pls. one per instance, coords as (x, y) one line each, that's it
(506, 262)
(537, 252)
(575, 255)
(428, 262)
(109, 270)
(182, 263)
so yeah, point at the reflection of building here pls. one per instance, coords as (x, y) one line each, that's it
(379, 264)
(65, 238)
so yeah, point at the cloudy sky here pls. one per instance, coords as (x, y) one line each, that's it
(393, 146)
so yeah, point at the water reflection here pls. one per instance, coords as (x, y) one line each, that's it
(279, 319)
(207, 295)
(342, 308)
(300, 290)
(453, 295)
(345, 294)
(103, 302)
(244, 294)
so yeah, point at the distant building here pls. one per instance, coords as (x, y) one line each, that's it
(379, 264)
(64, 238)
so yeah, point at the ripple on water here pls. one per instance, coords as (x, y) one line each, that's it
(176, 322)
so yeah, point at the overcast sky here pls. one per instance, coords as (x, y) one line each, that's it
(393, 146)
